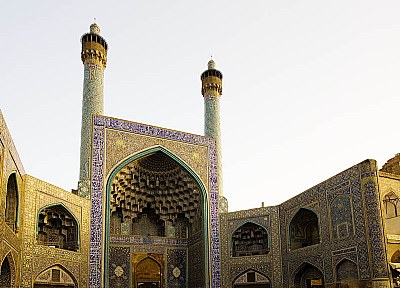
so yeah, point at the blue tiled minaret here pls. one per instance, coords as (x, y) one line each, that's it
(211, 89)
(94, 58)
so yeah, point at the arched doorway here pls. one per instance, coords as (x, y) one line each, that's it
(252, 279)
(303, 229)
(308, 276)
(55, 277)
(154, 198)
(148, 274)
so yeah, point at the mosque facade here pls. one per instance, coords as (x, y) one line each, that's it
(149, 212)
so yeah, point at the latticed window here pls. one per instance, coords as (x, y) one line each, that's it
(57, 228)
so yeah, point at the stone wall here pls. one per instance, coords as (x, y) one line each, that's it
(37, 258)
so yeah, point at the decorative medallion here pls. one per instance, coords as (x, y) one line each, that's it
(176, 272)
(118, 271)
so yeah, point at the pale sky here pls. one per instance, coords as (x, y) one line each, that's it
(310, 88)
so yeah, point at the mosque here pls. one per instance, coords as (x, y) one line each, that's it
(149, 212)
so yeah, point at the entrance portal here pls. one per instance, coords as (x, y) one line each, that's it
(147, 272)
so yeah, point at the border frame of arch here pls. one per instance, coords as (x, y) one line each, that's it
(132, 158)
(69, 211)
(97, 216)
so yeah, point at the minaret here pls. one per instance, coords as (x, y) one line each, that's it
(94, 58)
(211, 88)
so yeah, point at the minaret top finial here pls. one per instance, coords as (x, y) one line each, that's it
(211, 64)
(94, 28)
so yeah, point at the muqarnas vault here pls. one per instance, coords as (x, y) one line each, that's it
(149, 211)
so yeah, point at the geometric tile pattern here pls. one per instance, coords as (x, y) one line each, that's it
(120, 267)
(349, 224)
(176, 268)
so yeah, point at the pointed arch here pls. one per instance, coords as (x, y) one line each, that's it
(251, 277)
(55, 276)
(7, 271)
(346, 270)
(203, 192)
(57, 226)
(12, 202)
(307, 273)
(249, 239)
(148, 270)
(304, 229)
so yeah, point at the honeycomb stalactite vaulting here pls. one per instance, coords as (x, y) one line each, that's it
(154, 192)
(57, 227)
(249, 239)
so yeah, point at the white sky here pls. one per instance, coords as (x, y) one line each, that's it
(310, 88)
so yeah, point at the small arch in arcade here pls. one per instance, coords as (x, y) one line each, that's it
(346, 271)
(304, 229)
(308, 276)
(252, 278)
(55, 277)
(12, 203)
(249, 239)
(391, 203)
(57, 227)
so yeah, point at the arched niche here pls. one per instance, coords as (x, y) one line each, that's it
(249, 239)
(148, 273)
(155, 196)
(346, 271)
(308, 276)
(252, 278)
(55, 276)
(391, 204)
(12, 203)
(57, 227)
(303, 229)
